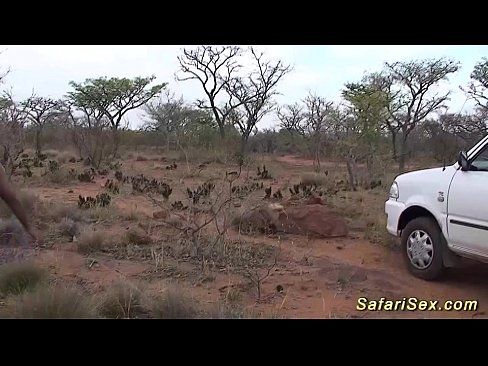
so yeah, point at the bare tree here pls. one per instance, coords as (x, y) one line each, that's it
(318, 122)
(40, 112)
(12, 121)
(254, 94)
(4, 73)
(408, 85)
(478, 88)
(468, 127)
(346, 131)
(258, 275)
(291, 118)
(213, 67)
(89, 130)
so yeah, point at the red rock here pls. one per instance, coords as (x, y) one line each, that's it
(313, 220)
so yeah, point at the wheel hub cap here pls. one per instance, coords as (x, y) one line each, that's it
(420, 250)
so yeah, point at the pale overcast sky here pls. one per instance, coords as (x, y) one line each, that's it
(320, 69)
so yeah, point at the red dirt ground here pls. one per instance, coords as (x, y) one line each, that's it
(321, 278)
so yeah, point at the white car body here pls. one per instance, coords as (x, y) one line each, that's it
(457, 199)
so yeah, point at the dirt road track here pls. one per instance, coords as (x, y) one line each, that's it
(340, 271)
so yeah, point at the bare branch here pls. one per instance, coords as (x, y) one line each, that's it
(254, 95)
(212, 67)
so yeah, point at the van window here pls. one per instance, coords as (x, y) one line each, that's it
(481, 161)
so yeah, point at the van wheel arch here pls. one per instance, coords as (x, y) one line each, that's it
(450, 259)
(412, 213)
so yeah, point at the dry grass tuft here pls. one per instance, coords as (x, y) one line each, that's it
(318, 179)
(51, 153)
(174, 304)
(141, 158)
(17, 278)
(51, 303)
(104, 214)
(138, 237)
(90, 242)
(122, 301)
(58, 212)
(65, 157)
(59, 177)
(68, 227)
(131, 215)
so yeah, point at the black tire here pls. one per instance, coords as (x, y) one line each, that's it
(436, 267)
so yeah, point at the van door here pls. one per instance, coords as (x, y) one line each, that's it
(467, 207)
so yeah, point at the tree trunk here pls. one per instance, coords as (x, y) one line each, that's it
(38, 142)
(222, 131)
(242, 149)
(6, 162)
(401, 155)
(116, 140)
(220, 123)
(317, 153)
(393, 140)
(76, 142)
(372, 161)
(350, 170)
(97, 154)
(269, 147)
(184, 153)
(369, 167)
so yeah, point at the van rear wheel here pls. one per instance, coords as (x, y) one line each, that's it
(423, 247)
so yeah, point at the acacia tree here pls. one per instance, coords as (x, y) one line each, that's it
(318, 123)
(115, 97)
(164, 115)
(40, 112)
(478, 88)
(345, 131)
(409, 86)
(367, 105)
